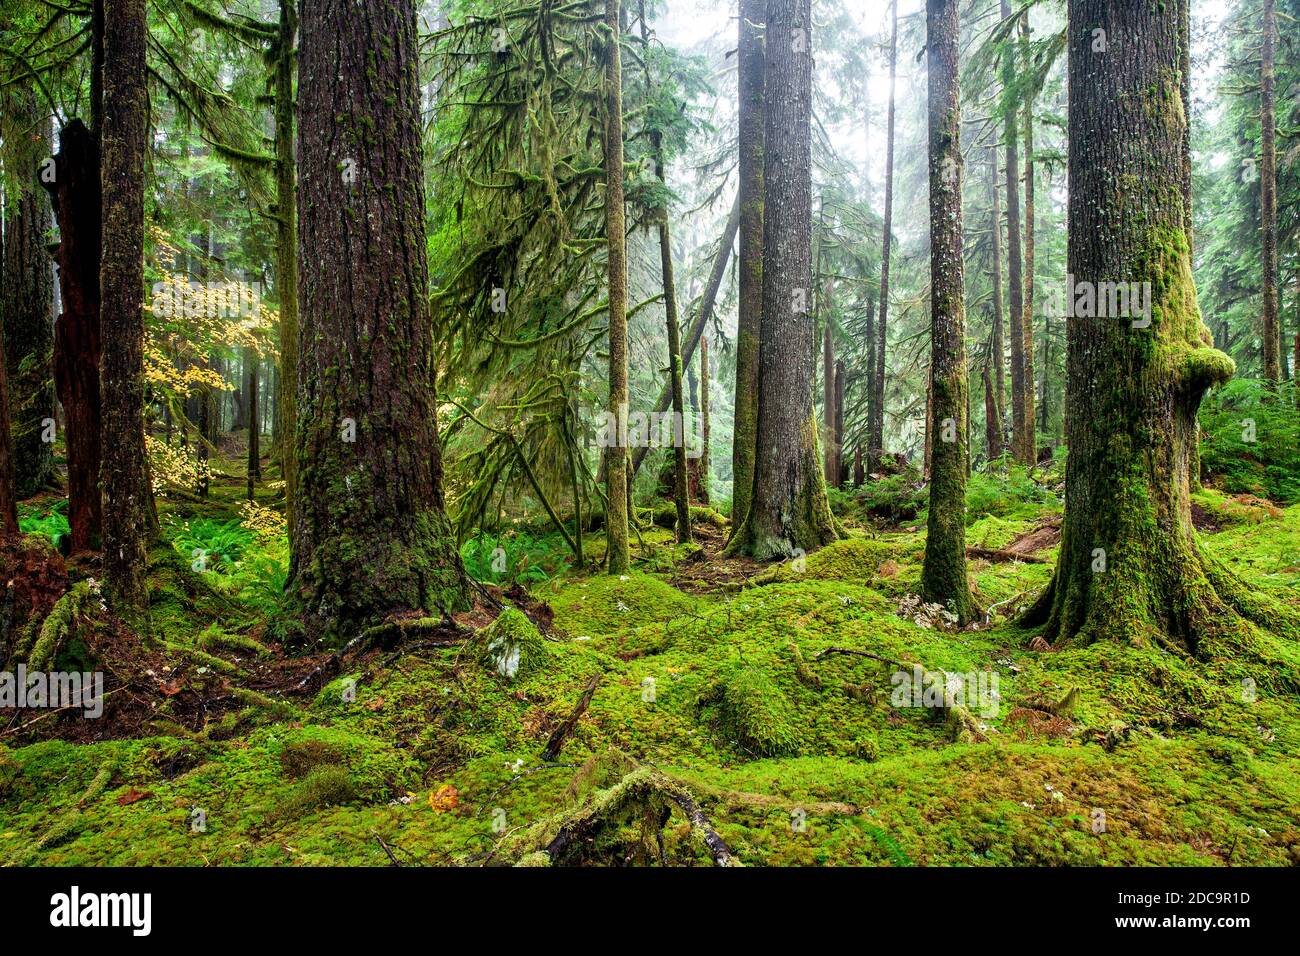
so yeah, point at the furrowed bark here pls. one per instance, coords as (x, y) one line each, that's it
(371, 535)
(127, 497)
(789, 512)
(876, 430)
(617, 473)
(1130, 567)
(943, 576)
(1015, 282)
(28, 294)
(749, 73)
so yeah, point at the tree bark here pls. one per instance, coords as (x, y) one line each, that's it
(997, 347)
(616, 464)
(286, 252)
(837, 435)
(75, 194)
(1030, 439)
(943, 576)
(683, 530)
(254, 421)
(789, 512)
(1130, 567)
(876, 427)
(8, 481)
(127, 497)
(1015, 283)
(1268, 195)
(749, 80)
(828, 395)
(371, 535)
(28, 296)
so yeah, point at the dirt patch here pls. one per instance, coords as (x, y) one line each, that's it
(1203, 520)
(1040, 539)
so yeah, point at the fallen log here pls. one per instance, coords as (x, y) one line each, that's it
(571, 722)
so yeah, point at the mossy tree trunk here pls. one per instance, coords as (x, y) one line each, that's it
(704, 420)
(371, 535)
(943, 576)
(789, 511)
(617, 481)
(1015, 283)
(749, 73)
(28, 293)
(997, 389)
(1130, 567)
(1268, 194)
(127, 497)
(286, 251)
(252, 364)
(1029, 439)
(876, 423)
(8, 481)
(828, 394)
(75, 194)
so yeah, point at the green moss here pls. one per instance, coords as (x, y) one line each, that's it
(750, 712)
(511, 646)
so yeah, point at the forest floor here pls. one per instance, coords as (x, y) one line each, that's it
(717, 714)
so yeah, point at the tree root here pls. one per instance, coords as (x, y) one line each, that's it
(645, 796)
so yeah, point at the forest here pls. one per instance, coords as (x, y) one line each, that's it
(769, 433)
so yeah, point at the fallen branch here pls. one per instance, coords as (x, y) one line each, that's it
(571, 722)
(856, 653)
(988, 554)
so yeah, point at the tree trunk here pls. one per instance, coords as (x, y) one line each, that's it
(680, 498)
(837, 434)
(75, 194)
(616, 470)
(1268, 195)
(8, 481)
(1015, 282)
(997, 347)
(1130, 567)
(828, 397)
(992, 428)
(127, 497)
(789, 512)
(1027, 323)
(876, 424)
(254, 422)
(943, 576)
(28, 296)
(286, 253)
(704, 420)
(749, 71)
(371, 535)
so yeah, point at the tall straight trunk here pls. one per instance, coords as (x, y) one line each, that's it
(997, 347)
(75, 194)
(1268, 195)
(828, 397)
(1015, 283)
(680, 497)
(789, 512)
(127, 497)
(1130, 566)
(704, 420)
(28, 296)
(8, 480)
(943, 576)
(696, 329)
(616, 470)
(1027, 323)
(252, 365)
(992, 427)
(837, 436)
(749, 73)
(876, 411)
(371, 535)
(869, 374)
(286, 253)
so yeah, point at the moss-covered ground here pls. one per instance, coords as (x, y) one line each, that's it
(429, 752)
